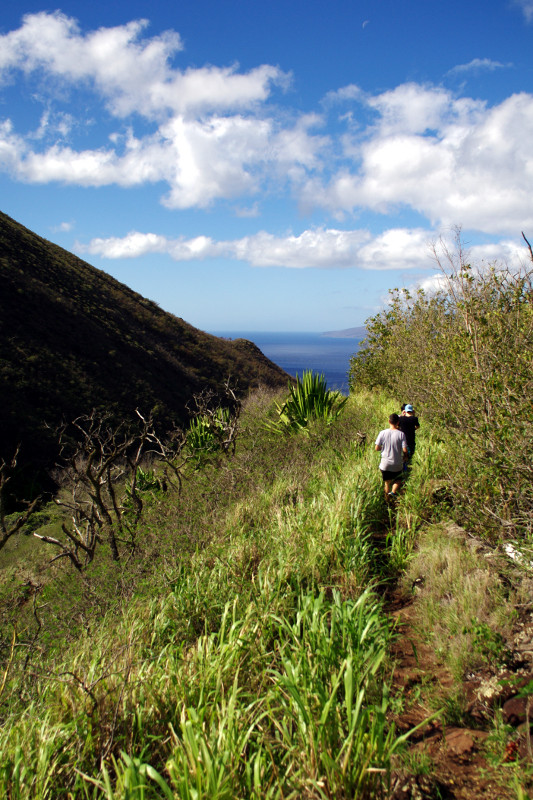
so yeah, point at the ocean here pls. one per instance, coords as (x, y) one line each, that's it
(296, 352)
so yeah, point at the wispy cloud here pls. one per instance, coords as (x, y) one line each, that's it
(479, 65)
(344, 94)
(247, 212)
(63, 227)
(527, 8)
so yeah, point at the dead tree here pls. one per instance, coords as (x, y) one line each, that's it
(102, 460)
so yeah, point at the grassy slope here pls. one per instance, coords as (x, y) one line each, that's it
(72, 339)
(244, 654)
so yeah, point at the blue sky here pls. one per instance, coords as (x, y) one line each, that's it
(269, 166)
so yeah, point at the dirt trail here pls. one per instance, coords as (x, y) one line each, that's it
(456, 757)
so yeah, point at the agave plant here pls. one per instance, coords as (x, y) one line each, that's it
(208, 433)
(310, 399)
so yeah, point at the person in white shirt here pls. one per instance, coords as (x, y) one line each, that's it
(392, 444)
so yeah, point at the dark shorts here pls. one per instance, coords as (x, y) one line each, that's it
(390, 476)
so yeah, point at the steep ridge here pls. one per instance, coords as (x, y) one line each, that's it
(72, 338)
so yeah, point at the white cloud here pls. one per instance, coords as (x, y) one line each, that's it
(397, 248)
(211, 134)
(214, 138)
(136, 244)
(63, 227)
(133, 75)
(142, 162)
(527, 8)
(200, 160)
(479, 65)
(247, 211)
(452, 160)
(344, 94)
(321, 248)
(411, 108)
(318, 248)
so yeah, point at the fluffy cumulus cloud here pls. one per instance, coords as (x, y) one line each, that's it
(450, 159)
(212, 137)
(132, 74)
(212, 134)
(321, 248)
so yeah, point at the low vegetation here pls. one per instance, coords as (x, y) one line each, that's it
(240, 653)
(231, 635)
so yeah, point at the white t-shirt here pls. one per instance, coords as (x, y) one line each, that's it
(392, 443)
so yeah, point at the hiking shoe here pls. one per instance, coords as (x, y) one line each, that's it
(393, 494)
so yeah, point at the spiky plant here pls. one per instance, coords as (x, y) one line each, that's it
(310, 399)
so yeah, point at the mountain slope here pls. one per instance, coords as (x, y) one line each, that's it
(72, 338)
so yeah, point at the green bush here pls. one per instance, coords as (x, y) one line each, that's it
(462, 355)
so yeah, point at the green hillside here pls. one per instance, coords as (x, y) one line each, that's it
(72, 339)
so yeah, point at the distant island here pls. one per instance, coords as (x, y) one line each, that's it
(347, 333)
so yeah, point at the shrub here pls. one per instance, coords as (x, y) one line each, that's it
(462, 355)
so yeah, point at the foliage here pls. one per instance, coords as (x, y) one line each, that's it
(462, 603)
(214, 428)
(462, 355)
(201, 436)
(308, 400)
(240, 651)
(489, 643)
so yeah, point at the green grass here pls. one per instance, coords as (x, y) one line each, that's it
(244, 651)
(249, 662)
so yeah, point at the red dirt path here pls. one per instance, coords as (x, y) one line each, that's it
(459, 755)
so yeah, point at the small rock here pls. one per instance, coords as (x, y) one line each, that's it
(514, 711)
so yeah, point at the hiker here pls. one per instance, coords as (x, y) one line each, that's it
(393, 447)
(409, 424)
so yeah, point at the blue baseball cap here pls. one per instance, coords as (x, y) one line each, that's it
(409, 407)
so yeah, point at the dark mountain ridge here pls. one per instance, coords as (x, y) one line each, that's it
(73, 339)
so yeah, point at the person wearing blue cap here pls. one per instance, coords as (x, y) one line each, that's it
(408, 423)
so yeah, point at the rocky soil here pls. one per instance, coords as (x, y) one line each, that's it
(465, 759)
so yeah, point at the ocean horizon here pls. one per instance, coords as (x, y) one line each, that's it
(297, 352)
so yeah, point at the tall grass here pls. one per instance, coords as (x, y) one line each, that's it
(279, 704)
(248, 660)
